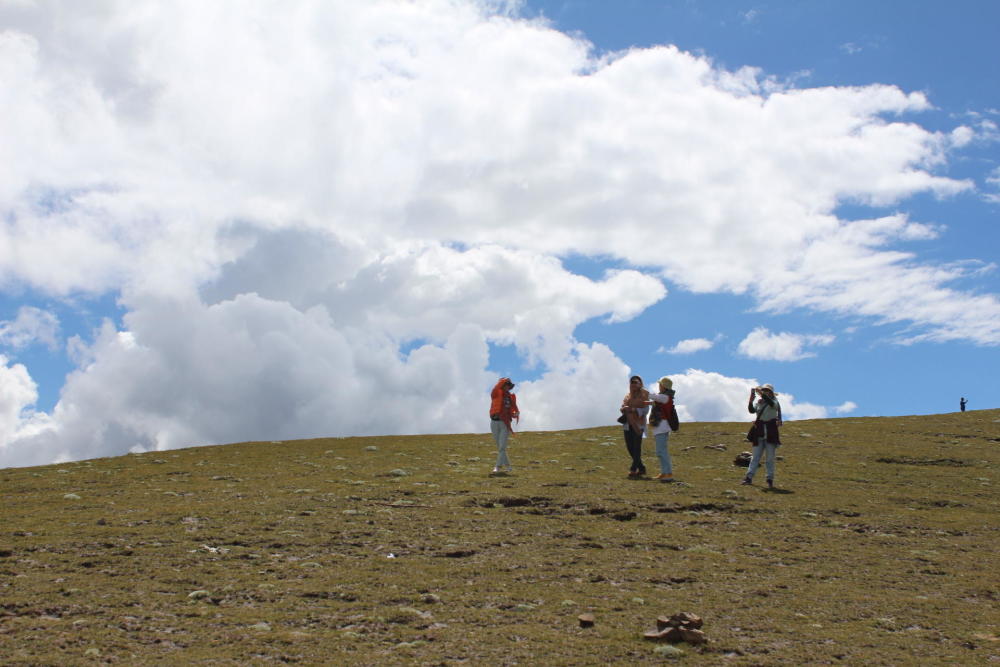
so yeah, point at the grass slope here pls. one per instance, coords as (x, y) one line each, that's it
(880, 549)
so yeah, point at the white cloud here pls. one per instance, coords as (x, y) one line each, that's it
(18, 393)
(993, 180)
(242, 365)
(987, 131)
(413, 87)
(318, 187)
(762, 344)
(846, 407)
(962, 136)
(31, 326)
(708, 396)
(595, 367)
(994, 177)
(689, 346)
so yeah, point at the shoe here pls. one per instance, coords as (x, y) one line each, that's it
(770, 483)
(632, 474)
(667, 479)
(746, 481)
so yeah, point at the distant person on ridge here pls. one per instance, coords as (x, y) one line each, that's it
(635, 405)
(764, 432)
(659, 422)
(962, 403)
(503, 409)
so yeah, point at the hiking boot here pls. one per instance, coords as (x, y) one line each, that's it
(632, 474)
(770, 483)
(746, 481)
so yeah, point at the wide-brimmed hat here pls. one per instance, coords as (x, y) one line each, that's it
(769, 387)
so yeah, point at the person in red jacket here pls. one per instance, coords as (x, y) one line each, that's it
(503, 410)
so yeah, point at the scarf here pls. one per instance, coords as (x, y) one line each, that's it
(635, 398)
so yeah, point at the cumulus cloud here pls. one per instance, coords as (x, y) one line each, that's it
(18, 393)
(845, 408)
(311, 357)
(689, 346)
(315, 190)
(762, 344)
(709, 396)
(32, 326)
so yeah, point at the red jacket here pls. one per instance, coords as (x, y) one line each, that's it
(497, 407)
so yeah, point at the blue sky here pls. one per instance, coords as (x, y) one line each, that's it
(225, 224)
(943, 50)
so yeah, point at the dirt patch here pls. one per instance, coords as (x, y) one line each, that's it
(913, 461)
(697, 508)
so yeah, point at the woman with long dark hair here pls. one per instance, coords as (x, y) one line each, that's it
(635, 405)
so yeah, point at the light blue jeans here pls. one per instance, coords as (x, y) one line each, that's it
(666, 467)
(500, 435)
(758, 449)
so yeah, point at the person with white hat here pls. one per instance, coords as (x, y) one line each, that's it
(764, 432)
(659, 422)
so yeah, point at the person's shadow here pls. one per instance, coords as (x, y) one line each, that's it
(783, 491)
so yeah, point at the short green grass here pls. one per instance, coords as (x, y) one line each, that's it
(879, 548)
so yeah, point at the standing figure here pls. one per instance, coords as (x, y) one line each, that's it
(962, 403)
(503, 409)
(659, 422)
(634, 408)
(764, 433)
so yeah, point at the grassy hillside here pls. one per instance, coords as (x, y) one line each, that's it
(879, 548)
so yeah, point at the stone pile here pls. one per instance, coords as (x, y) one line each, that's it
(682, 627)
(743, 459)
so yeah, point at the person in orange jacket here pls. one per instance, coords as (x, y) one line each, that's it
(503, 410)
